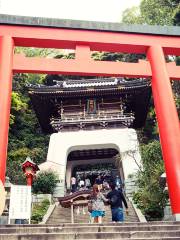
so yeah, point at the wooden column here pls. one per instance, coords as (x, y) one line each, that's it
(168, 122)
(6, 60)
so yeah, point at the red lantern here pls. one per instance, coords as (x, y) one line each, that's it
(29, 168)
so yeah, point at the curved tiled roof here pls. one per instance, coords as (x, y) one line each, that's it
(44, 98)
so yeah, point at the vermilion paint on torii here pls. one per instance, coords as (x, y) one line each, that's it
(84, 41)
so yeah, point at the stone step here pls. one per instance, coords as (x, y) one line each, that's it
(80, 229)
(61, 215)
(152, 223)
(54, 237)
(93, 235)
(79, 220)
(108, 231)
(67, 213)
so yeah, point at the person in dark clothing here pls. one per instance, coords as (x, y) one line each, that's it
(116, 198)
(99, 182)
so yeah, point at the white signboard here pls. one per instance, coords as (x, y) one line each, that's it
(20, 202)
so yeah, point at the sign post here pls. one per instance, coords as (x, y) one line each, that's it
(20, 202)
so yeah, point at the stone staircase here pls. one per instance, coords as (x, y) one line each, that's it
(128, 230)
(59, 227)
(63, 215)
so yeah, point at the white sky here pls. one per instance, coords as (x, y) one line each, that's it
(92, 10)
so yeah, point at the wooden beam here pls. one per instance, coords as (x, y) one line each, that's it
(86, 67)
(79, 67)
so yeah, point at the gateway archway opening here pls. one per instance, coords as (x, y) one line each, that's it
(93, 163)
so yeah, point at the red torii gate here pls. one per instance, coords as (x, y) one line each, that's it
(85, 37)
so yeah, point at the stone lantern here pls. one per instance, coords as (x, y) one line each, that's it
(29, 168)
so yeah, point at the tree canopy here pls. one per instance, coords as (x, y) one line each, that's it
(154, 12)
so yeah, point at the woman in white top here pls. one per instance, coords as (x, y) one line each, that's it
(73, 184)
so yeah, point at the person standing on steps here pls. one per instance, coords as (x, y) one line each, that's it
(116, 198)
(73, 184)
(99, 182)
(87, 182)
(96, 205)
(118, 183)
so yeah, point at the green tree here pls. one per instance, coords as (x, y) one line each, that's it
(132, 16)
(157, 12)
(45, 182)
(176, 17)
(153, 12)
(17, 106)
(25, 136)
(150, 197)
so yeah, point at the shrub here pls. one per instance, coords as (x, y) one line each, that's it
(39, 210)
(45, 182)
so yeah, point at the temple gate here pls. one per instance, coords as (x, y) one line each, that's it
(91, 121)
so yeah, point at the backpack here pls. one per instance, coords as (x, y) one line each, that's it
(114, 200)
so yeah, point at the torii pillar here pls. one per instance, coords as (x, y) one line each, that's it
(168, 123)
(6, 61)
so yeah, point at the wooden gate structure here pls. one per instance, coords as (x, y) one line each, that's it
(85, 37)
